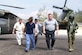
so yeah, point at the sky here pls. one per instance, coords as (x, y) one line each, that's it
(32, 6)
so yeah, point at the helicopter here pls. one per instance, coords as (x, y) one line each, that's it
(7, 19)
(61, 19)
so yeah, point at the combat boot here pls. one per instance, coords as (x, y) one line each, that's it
(70, 50)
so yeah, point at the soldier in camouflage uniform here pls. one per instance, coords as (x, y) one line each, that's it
(72, 26)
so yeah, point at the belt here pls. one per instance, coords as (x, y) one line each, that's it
(49, 30)
(18, 30)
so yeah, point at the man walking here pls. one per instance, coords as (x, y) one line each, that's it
(71, 28)
(49, 27)
(19, 29)
(37, 27)
(30, 33)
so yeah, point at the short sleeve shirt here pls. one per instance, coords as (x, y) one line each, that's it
(50, 24)
(19, 27)
(29, 28)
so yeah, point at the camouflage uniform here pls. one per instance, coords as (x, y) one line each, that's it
(72, 26)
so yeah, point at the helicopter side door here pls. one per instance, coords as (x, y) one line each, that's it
(3, 25)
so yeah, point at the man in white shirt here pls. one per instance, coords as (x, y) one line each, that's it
(19, 29)
(37, 26)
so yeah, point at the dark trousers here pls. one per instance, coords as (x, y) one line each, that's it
(36, 38)
(50, 36)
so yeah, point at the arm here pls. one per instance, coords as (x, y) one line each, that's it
(13, 32)
(76, 26)
(44, 29)
(34, 32)
(24, 28)
(57, 27)
(39, 24)
(14, 29)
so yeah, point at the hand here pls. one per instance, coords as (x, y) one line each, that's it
(44, 32)
(56, 32)
(34, 34)
(13, 32)
(23, 33)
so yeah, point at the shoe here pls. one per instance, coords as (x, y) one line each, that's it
(19, 45)
(52, 48)
(48, 49)
(70, 50)
(33, 48)
(26, 50)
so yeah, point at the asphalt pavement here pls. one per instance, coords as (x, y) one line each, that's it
(8, 45)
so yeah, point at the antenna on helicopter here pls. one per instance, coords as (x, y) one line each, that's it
(11, 6)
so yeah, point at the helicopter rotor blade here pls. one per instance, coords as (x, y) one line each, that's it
(12, 6)
(65, 3)
(57, 7)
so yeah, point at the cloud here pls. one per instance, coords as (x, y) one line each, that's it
(33, 14)
(74, 4)
(48, 1)
(22, 15)
(26, 16)
(9, 0)
(33, 5)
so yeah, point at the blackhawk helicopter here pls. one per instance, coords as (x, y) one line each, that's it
(7, 19)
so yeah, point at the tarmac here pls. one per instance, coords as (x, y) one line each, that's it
(8, 45)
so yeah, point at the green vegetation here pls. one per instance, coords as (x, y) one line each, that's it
(42, 15)
(54, 14)
(78, 16)
(42, 19)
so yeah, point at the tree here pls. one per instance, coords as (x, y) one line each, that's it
(42, 14)
(54, 14)
(78, 16)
